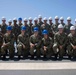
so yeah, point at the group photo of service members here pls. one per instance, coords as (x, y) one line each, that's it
(38, 37)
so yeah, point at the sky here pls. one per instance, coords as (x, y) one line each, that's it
(33, 8)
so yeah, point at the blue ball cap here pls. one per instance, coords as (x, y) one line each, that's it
(20, 19)
(23, 27)
(36, 29)
(9, 28)
(44, 32)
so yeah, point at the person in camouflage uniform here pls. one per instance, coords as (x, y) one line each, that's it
(27, 26)
(40, 20)
(75, 24)
(23, 43)
(1, 40)
(72, 43)
(15, 29)
(47, 44)
(55, 26)
(8, 43)
(30, 25)
(20, 23)
(0, 28)
(35, 43)
(3, 25)
(10, 22)
(60, 41)
(67, 26)
(3, 28)
(51, 27)
(35, 25)
(62, 21)
(45, 26)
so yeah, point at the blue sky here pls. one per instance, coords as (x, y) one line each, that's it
(47, 8)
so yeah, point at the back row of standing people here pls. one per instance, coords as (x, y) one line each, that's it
(51, 27)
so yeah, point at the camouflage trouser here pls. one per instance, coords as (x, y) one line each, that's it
(48, 53)
(22, 51)
(16, 38)
(0, 50)
(71, 51)
(57, 50)
(37, 51)
(51, 35)
(8, 47)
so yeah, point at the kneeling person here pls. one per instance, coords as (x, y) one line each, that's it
(47, 44)
(23, 43)
(72, 43)
(60, 42)
(35, 43)
(1, 40)
(8, 43)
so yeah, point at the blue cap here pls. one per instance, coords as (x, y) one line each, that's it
(20, 19)
(9, 28)
(23, 27)
(36, 29)
(44, 32)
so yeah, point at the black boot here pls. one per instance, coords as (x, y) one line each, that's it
(25, 56)
(44, 56)
(19, 57)
(11, 57)
(60, 57)
(74, 57)
(56, 56)
(4, 57)
(38, 57)
(69, 57)
(32, 56)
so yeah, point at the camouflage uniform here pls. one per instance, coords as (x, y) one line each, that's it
(51, 34)
(63, 24)
(55, 28)
(60, 40)
(49, 44)
(0, 26)
(20, 27)
(71, 42)
(40, 23)
(30, 29)
(37, 42)
(67, 28)
(1, 41)
(9, 41)
(23, 40)
(35, 26)
(3, 28)
(27, 30)
(16, 31)
(47, 27)
(20, 24)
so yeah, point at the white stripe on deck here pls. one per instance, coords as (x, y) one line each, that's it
(37, 66)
